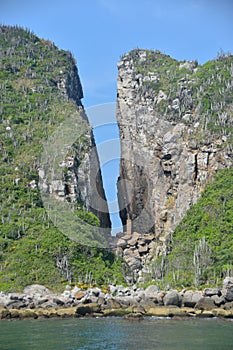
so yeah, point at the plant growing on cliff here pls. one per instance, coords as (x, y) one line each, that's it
(205, 92)
(202, 244)
(201, 259)
(34, 103)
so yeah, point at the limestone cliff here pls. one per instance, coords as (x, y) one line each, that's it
(175, 121)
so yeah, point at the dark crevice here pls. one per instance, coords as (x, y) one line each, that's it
(208, 160)
(195, 168)
(167, 173)
(167, 156)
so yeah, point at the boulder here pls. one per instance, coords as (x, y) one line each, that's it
(36, 289)
(151, 291)
(120, 235)
(134, 316)
(205, 303)
(147, 238)
(208, 292)
(124, 291)
(87, 309)
(66, 294)
(40, 301)
(218, 300)
(74, 290)
(228, 306)
(140, 294)
(121, 290)
(134, 238)
(227, 290)
(228, 281)
(17, 305)
(148, 303)
(228, 294)
(121, 243)
(172, 298)
(69, 302)
(94, 291)
(101, 295)
(113, 289)
(132, 252)
(191, 298)
(126, 236)
(101, 301)
(49, 305)
(143, 249)
(111, 303)
(79, 295)
(125, 301)
(17, 296)
(160, 297)
(89, 299)
(4, 302)
(152, 246)
(4, 299)
(58, 301)
(133, 262)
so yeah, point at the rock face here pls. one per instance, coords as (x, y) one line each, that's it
(174, 136)
(48, 156)
(81, 180)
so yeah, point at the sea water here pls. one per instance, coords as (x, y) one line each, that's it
(116, 334)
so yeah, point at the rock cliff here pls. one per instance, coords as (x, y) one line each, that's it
(40, 95)
(43, 86)
(175, 121)
(81, 180)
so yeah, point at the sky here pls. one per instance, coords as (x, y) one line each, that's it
(99, 32)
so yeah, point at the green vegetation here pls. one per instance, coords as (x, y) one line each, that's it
(201, 249)
(204, 92)
(34, 101)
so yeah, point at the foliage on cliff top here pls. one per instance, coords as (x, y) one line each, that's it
(193, 93)
(201, 250)
(34, 101)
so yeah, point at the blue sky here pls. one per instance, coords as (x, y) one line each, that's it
(98, 32)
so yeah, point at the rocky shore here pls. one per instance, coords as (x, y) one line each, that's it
(37, 301)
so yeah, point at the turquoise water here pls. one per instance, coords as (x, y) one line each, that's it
(116, 334)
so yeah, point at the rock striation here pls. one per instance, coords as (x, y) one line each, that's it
(175, 122)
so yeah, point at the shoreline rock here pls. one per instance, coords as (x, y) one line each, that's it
(162, 311)
(39, 302)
